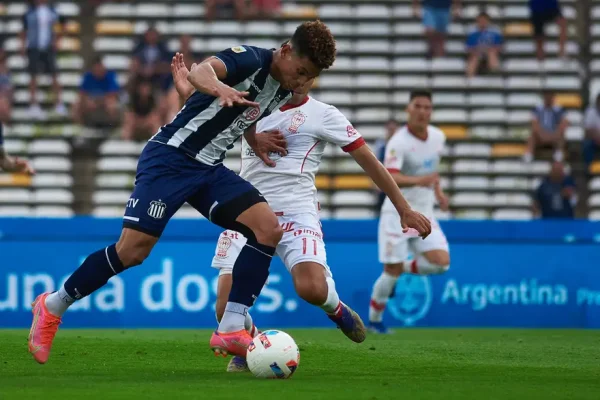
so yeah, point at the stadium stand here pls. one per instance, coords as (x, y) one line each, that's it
(381, 56)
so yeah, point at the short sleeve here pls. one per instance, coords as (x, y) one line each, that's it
(339, 131)
(394, 156)
(561, 113)
(535, 113)
(1, 136)
(568, 182)
(240, 62)
(24, 21)
(472, 40)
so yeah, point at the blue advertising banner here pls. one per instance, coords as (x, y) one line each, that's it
(503, 274)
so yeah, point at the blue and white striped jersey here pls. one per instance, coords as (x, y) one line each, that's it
(203, 129)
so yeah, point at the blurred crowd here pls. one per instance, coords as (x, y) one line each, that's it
(148, 99)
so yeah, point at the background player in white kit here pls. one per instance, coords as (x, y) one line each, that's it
(289, 187)
(412, 157)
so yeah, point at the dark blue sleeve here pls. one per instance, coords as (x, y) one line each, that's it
(1, 135)
(472, 40)
(561, 113)
(240, 61)
(536, 113)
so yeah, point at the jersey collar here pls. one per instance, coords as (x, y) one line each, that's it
(286, 107)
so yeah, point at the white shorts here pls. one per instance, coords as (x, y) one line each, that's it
(302, 242)
(395, 246)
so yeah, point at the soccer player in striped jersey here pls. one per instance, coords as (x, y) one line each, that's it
(12, 164)
(183, 163)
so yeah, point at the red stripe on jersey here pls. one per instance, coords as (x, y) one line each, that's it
(358, 143)
(307, 153)
(393, 171)
(413, 267)
(288, 106)
(279, 213)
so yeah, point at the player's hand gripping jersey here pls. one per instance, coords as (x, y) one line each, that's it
(413, 157)
(289, 187)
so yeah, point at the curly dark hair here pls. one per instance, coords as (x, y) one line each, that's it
(314, 40)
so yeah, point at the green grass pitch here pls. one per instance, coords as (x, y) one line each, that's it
(412, 364)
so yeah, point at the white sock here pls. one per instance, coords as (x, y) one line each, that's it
(421, 266)
(58, 302)
(249, 325)
(331, 305)
(234, 318)
(382, 289)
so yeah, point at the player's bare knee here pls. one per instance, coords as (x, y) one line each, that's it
(134, 247)
(393, 269)
(269, 233)
(440, 259)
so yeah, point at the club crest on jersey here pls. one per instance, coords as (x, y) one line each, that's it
(298, 119)
(157, 209)
(238, 49)
(351, 131)
(252, 113)
(222, 247)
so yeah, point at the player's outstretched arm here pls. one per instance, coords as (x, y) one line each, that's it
(382, 178)
(206, 78)
(180, 72)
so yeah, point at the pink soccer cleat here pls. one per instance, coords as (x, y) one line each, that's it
(43, 330)
(234, 343)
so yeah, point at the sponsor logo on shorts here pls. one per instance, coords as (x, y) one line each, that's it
(131, 203)
(287, 226)
(308, 232)
(222, 247)
(298, 119)
(157, 209)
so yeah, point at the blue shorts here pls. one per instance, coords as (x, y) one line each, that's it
(167, 178)
(436, 19)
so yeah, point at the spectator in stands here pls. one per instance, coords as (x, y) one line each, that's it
(436, 15)
(266, 8)
(6, 90)
(591, 143)
(540, 13)
(226, 8)
(484, 44)
(98, 102)
(151, 60)
(548, 126)
(556, 197)
(40, 44)
(143, 118)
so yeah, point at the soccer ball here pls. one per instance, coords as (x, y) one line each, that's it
(273, 354)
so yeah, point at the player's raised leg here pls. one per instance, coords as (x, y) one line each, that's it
(314, 284)
(165, 177)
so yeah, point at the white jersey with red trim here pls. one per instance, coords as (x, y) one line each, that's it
(411, 156)
(289, 187)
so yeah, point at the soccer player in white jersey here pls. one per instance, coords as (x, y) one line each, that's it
(289, 187)
(412, 157)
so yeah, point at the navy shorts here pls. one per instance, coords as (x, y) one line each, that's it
(167, 178)
(540, 19)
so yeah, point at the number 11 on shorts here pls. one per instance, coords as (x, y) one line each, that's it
(304, 246)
